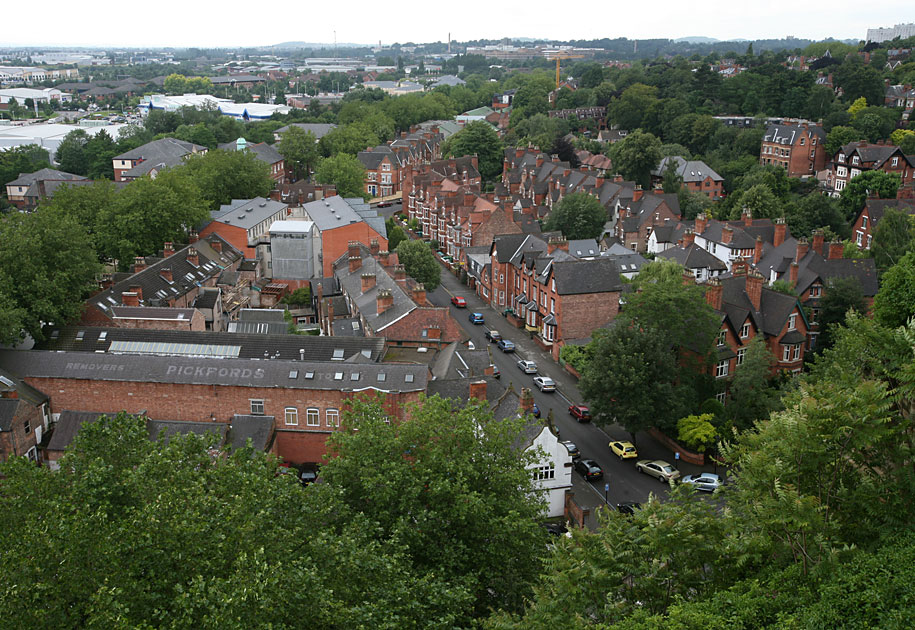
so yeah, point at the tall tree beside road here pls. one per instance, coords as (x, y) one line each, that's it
(751, 395)
(636, 155)
(480, 139)
(300, 150)
(577, 216)
(450, 488)
(345, 172)
(47, 267)
(419, 263)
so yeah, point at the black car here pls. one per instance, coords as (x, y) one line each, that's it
(308, 475)
(628, 508)
(589, 469)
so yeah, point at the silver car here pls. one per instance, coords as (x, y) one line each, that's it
(528, 367)
(659, 469)
(709, 482)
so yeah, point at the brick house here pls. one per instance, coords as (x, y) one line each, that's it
(337, 223)
(384, 302)
(172, 280)
(28, 189)
(858, 157)
(24, 416)
(865, 224)
(800, 149)
(245, 223)
(382, 171)
(304, 399)
(638, 217)
(548, 291)
(749, 309)
(809, 267)
(152, 157)
(697, 176)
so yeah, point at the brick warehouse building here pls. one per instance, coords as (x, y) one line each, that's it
(304, 398)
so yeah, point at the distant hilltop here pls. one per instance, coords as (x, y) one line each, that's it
(317, 45)
(697, 40)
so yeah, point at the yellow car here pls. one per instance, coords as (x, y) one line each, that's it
(623, 450)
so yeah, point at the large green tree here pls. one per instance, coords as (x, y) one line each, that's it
(893, 238)
(345, 172)
(300, 150)
(878, 183)
(840, 296)
(71, 153)
(419, 262)
(222, 176)
(47, 267)
(480, 139)
(134, 533)
(577, 216)
(636, 155)
(21, 160)
(751, 395)
(450, 488)
(894, 303)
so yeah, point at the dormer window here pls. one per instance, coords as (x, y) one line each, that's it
(855, 159)
(842, 157)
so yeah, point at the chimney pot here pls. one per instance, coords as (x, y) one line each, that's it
(478, 390)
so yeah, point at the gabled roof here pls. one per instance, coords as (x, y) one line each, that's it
(774, 307)
(690, 171)
(169, 150)
(693, 257)
(366, 303)
(318, 129)
(262, 151)
(600, 275)
(27, 179)
(246, 213)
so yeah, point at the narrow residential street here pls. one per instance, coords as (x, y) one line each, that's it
(621, 482)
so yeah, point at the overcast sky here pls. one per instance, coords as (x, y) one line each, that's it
(232, 23)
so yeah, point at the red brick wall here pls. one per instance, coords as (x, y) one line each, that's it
(335, 242)
(17, 441)
(410, 328)
(579, 315)
(196, 322)
(237, 236)
(202, 403)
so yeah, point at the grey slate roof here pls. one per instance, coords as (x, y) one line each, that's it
(331, 212)
(584, 247)
(693, 257)
(158, 153)
(275, 373)
(773, 311)
(601, 275)
(27, 179)
(373, 158)
(68, 425)
(318, 129)
(246, 213)
(258, 429)
(289, 347)
(366, 303)
(8, 407)
(151, 312)
(263, 151)
(690, 170)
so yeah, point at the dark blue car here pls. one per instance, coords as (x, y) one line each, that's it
(476, 318)
(505, 345)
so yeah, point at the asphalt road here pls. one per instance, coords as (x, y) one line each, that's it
(625, 483)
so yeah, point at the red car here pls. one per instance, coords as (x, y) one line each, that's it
(459, 302)
(580, 413)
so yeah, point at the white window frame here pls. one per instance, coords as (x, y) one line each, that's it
(786, 352)
(792, 321)
(796, 355)
(313, 417)
(741, 354)
(332, 417)
(745, 330)
(292, 416)
(545, 473)
(257, 406)
(722, 337)
(721, 369)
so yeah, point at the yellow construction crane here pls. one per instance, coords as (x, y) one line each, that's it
(559, 55)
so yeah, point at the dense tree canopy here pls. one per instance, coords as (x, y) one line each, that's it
(635, 156)
(577, 216)
(480, 139)
(345, 172)
(419, 262)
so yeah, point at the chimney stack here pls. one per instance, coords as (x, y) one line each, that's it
(129, 298)
(792, 274)
(701, 223)
(193, 237)
(780, 229)
(375, 247)
(754, 288)
(355, 263)
(478, 390)
(757, 250)
(727, 233)
(192, 257)
(802, 247)
(637, 193)
(400, 275)
(747, 217)
(384, 257)
(713, 293)
(688, 238)
(136, 288)
(166, 272)
(527, 401)
(216, 244)
(818, 240)
(139, 264)
(419, 294)
(368, 282)
(353, 249)
(384, 301)
(557, 243)
(836, 250)
(168, 250)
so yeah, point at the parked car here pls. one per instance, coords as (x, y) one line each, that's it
(535, 411)
(528, 367)
(659, 469)
(624, 450)
(556, 529)
(493, 335)
(545, 383)
(628, 508)
(709, 482)
(572, 448)
(505, 345)
(458, 301)
(475, 318)
(496, 373)
(308, 475)
(589, 469)
(580, 413)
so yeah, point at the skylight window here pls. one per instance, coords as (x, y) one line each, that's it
(354, 376)
(408, 378)
(338, 376)
(293, 373)
(102, 336)
(338, 354)
(382, 377)
(309, 375)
